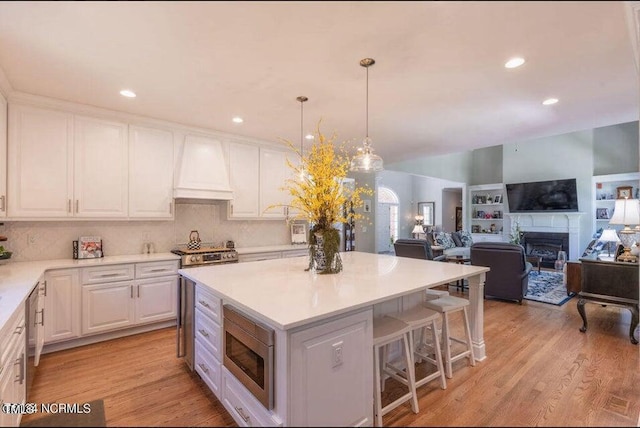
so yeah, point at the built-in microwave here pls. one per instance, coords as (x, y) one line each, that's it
(249, 353)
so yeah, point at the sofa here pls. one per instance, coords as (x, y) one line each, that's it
(508, 278)
(455, 244)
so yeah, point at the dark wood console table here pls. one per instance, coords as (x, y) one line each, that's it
(609, 283)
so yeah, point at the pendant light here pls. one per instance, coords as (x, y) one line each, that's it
(366, 160)
(302, 99)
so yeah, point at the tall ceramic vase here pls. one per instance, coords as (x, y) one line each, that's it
(325, 254)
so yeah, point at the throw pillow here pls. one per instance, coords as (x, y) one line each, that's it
(444, 240)
(466, 238)
(456, 239)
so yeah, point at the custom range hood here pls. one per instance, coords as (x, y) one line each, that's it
(202, 171)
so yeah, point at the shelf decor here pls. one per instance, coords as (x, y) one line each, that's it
(318, 196)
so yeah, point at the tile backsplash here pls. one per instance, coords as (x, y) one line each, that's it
(42, 240)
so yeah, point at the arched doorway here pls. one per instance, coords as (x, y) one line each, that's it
(386, 219)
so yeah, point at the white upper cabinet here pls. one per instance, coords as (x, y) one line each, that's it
(40, 162)
(3, 157)
(244, 179)
(101, 168)
(273, 175)
(150, 172)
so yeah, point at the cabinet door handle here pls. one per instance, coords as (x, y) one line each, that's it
(204, 368)
(19, 329)
(203, 303)
(138, 290)
(106, 275)
(35, 323)
(131, 288)
(69, 205)
(45, 288)
(77, 205)
(204, 333)
(242, 415)
(231, 208)
(157, 270)
(2, 207)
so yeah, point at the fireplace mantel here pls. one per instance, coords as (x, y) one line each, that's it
(558, 222)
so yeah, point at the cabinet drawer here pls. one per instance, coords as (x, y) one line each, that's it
(96, 275)
(259, 256)
(11, 335)
(208, 367)
(245, 409)
(209, 333)
(208, 303)
(296, 253)
(153, 269)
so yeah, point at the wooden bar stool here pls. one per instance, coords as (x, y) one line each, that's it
(387, 330)
(447, 305)
(422, 319)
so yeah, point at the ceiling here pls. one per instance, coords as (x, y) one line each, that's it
(439, 84)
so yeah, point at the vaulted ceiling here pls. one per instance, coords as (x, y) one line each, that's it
(439, 84)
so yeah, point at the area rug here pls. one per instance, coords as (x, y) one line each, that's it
(94, 418)
(547, 287)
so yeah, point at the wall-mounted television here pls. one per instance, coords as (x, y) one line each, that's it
(540, 196)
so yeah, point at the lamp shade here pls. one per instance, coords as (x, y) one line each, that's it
(609, 235)
(626, 212)
(417, 229)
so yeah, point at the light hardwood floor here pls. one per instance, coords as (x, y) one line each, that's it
(540, 371)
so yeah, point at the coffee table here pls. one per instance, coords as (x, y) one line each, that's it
(535, 259)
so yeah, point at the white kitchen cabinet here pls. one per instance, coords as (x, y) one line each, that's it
(156, 299)
(244, 179)
(273, 175)
(208, 338)
(62, 303)
(40, 162)
(121, 296)
(101, 187)
(3, 157)
(259, 256)
(107, 306)
(13, 367)
(150, 172)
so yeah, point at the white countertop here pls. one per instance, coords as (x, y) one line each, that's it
(17, 279)
(269, 248)
(282, 294)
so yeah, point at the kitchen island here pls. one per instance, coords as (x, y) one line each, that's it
(315, 315)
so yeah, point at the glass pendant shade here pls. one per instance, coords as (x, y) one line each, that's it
(365, 160)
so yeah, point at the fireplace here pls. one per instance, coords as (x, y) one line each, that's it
(545, 245)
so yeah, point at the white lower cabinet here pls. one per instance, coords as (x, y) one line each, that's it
(245, 409)
(109, 304)
(208, 336)
(259, 256)
(13, 368)
(62, 303)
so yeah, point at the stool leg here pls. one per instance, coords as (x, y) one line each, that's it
(467, 331)
(385, 355)
(438, 355)
(411, 375)
(378, 392)
(446, 343)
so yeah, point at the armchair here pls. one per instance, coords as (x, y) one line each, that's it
(416, 249)
(508, 278)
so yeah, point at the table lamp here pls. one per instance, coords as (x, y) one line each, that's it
(608, 236)
(418, 229)
(626, 213)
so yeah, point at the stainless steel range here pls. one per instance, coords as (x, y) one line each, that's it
(206, 256)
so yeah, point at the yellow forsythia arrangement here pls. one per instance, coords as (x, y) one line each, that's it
(316, 191)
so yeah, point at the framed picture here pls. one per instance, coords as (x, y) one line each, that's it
(624, 192)
(366, 205)
(602, 213)
(475, 228)
(298, 233)
(497, 199)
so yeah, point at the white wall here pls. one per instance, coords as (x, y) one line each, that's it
(53, 239)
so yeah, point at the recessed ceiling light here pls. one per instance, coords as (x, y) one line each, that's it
(127, 93)
(550, 101)
(514, 62)
(237, 119)
(309, 137)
